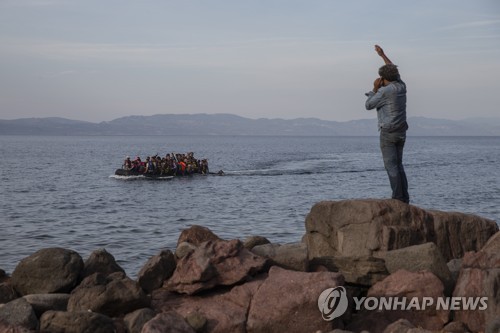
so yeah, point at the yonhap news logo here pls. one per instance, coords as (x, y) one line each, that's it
(333, 303)
(421, 303)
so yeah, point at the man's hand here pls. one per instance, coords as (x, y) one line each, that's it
(381, 53)
(379, 82)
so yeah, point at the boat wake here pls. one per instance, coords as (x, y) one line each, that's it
(312, 166)
(271, 172)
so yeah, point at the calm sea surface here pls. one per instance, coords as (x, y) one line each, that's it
(58, 191)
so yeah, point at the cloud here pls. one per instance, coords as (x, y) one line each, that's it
(273, 53)
(472, 24)
(33, 3)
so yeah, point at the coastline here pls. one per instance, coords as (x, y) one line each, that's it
(367, 247)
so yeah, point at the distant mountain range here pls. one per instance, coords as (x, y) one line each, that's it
(228, 124)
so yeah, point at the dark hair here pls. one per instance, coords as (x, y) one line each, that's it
(389, 72)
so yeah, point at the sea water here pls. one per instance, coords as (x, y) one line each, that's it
(60, 191)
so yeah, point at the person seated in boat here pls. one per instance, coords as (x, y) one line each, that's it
(157, 164)
(175, 166)
(194, 163)
(168, 167)
(127, 163)
(192, 166)
(162, 165)
(150, 168)
(138, 165)
(181, 168)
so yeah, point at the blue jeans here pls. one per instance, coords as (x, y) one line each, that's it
(391, 145)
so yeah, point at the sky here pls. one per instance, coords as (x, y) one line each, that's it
(97, 60)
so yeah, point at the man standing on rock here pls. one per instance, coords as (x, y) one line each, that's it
(389, 98)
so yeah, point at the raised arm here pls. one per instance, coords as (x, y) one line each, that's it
(381, 53)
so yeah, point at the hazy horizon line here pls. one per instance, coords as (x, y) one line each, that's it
(233, 114)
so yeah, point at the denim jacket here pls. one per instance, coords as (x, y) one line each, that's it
(390, 102)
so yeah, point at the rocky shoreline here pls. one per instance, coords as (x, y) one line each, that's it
(372, 249)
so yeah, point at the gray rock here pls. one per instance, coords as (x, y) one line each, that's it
(159, 268)
(183, 249)
(52, 270)
(167, 322)
(19, 313)
(6, 328)
(134, 321)
(101, 261)
(418, 258)
(290, 256)
(111, 295)
(7, 293)
(250, 242)
(196, 235)
(45, 302)
(75, 322)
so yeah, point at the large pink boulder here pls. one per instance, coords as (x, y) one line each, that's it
(170, 322)
(480, 277)
(352, 228)
(408, 285)
(281, 301)
(225, 310)
(214, 263)
(287, 301)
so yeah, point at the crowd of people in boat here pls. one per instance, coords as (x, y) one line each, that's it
(170, 165)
